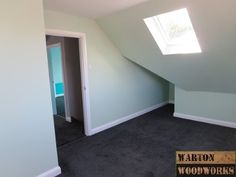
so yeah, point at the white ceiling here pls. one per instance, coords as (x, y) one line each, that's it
(90, 8)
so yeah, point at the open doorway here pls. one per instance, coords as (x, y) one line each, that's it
(66, 87)
(56, 79)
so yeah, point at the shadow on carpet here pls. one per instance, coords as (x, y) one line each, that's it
(67, 132)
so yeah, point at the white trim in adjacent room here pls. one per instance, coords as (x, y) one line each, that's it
(84, 72)
(126, 118)
(171, 101)
(68, 119)
(51, 173)
(205, 120)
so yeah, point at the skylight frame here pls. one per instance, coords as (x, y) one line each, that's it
(162, 31)
(161, 36)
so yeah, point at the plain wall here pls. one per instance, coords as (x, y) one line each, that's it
(117, 86)
(211, 105)
(73, 75)
(27, 134)
(171, 92)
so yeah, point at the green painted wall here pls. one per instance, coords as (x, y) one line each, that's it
(171, 92)
(218, 106)
(117, 86)
(213, 70)
(26, 130)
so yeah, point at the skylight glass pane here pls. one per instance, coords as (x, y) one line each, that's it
(173, 32)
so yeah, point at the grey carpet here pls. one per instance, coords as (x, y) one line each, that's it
(67, 132)
(142, 147)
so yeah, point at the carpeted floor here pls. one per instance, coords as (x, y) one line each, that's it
(60, 106)
(142, 147)
(67, 132)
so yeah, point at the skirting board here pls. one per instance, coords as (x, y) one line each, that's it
(126, 118)
(68, 119)
(51, 173)
(171, 102)
(205, 120)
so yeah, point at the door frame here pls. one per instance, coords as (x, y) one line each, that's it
(67, 117)
(84, 72)
(51, 79)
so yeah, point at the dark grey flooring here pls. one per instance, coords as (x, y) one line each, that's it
(67, 132)
(142, 147)
(60, 106)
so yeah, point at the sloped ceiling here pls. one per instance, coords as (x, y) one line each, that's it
(90, 8)
(214, 21)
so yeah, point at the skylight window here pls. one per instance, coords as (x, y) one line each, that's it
(173, 32)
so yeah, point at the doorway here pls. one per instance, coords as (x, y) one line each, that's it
(54, 52)
(84, 73)
(68, 89)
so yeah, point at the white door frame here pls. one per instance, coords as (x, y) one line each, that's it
(84, 72)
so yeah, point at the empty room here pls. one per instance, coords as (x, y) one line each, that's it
(130, 88)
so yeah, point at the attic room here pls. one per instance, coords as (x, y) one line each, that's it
(150, 78)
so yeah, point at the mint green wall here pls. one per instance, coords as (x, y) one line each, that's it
(54, 55)
(218, 106)
(171, 92)
(26, 130)
(117, 86)
(212, 70)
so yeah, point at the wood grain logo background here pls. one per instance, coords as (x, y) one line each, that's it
(205, 163)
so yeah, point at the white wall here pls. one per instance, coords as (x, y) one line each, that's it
(26, 130)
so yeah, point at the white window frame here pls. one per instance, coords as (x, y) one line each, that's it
(162, 39)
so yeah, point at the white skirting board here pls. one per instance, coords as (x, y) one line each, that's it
(205, 120)
(51, 173)
(126, 118)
